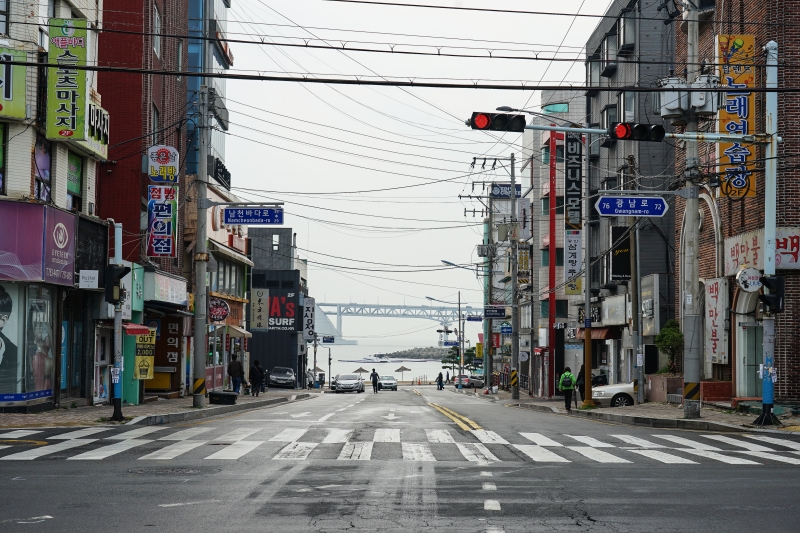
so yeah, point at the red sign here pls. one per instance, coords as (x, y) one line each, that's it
(282, 313)
(495, 340)
(218, 309)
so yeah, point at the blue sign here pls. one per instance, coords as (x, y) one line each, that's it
(506, 330)
(450, 343)
(503, 190)
(494, 312)
(474, 319)
(253, 216)
(327, 340)
(632, 206)
(587, 322)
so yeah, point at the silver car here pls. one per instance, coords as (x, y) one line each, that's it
(472, 381)
(619, 395)
(387, 382)
(349, 383)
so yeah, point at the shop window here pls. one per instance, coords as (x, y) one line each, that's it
(42, 159)
(74, 181)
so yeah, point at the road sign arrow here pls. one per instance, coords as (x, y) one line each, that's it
(632, 206)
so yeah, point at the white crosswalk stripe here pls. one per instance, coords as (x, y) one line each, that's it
(719, 457)
(174, 450)
(540, 454)
(751, 446)
(137, 433)
(289, 435)
(441, 436)
(417, 452)
(686, 443)
(236, 435)
(296, 450)
(20, 433)
(50, 449)
(597, 455)
(107, 451)
(488, 437)
(772, 440)
(476, 452)
(79, 434)
(236, 450)
(186, 434)
(541, 440)
(356, 451)
(386, 435)
(774, 457)
(636, 441)
(336, 436)
(591, 441)
(663, 457)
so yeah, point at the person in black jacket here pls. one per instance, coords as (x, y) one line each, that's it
(256, 377)
(374, 377)
(581, 384)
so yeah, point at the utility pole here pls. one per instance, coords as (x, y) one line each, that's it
(329, 367)
(201, 249)
(514, 284)
(587, 298)
(487, 322)
(314, 370)
(634, 285)
(693, 334)
(117, 398)
(460, 338)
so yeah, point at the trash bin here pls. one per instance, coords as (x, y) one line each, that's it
(222, 398)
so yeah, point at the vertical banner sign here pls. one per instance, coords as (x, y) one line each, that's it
(259, 309)
(620, 254)
(478, 350)
(66, 86)
(736, 57)
(524, 264)
(572, 261)
(573, 214)
(308, 318)
(162, 220)
(163, 163)
(144, 359)
(716, 337)
(12, 83)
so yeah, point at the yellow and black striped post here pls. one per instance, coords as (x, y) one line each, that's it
(514, 378)
(200, 386)
(691, 391)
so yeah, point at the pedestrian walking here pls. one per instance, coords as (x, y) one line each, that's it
(236, 372)
(566, 384)
(256, 378)
(374, 377)
(447, 380)
(439, 382)
(581, 382)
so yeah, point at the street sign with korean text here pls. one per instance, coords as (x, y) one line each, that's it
(450, 343)
(506, 330)
(309, 307)
(474, 319)
(328, 339)
(503, 190)
(494, 312)
(162, 224)
(632, 206)
(253, 216)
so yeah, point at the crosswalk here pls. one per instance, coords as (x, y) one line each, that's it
(475, 446)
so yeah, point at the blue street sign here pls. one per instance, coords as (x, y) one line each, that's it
(253, 216)
(632, 206)
(474, 319)
(327, 340)
(450, 343)
(506, 330)
(503, 190)
(587, 322)
(494, 312)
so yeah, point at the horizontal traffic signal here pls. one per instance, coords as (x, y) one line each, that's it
(497, 122)
(628, 131)
(773, 299)
(113, 277)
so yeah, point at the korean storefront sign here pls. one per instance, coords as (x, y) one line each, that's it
(524, 264)
(736, 56)
(66, 86)
(573, 181)
(620, 254)
(144, 360)
(308, 318)
(748, 249)
(162, 220)
(74, 173)
(572, 262)
(59, 247)
(716, 305)
(163, 164)
(259, 309)
(12, 84)
(159, 287)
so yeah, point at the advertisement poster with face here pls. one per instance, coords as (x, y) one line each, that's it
(40, 360)
(9, 338)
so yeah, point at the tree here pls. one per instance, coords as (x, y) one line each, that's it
(670, 342)
(451, 360)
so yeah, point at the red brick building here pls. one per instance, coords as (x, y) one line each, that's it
(732, 219)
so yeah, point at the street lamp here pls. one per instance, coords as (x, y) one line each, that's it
(507, 109)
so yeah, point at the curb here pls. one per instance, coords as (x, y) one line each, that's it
(185, 416)
(487, 397)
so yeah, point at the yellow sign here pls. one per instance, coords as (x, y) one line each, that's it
(143, 366)
(736, 58)
(478, 350)
(150, 338)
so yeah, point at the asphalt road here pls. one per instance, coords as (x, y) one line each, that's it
(411, 461)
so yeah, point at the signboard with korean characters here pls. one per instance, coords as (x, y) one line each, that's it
(573, 283)
(747, 250)
(259, 309)
(12, 84)
(67, 92)
(736, 55)
(162, 220)
(163, 164)
(308, 318)
(716, 343)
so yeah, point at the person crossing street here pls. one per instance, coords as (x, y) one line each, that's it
(566, 384)
(374, 377)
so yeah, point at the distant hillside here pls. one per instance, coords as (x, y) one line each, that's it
(419, 353)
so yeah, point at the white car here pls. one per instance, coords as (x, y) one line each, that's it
(349, 383)
(387, 382)
(619, 395)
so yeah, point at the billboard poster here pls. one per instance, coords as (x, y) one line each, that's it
(736, 56)
(12, 83)
(573, 259)
(620, 254)
(66, 86)
(163, 164)
(259, 309)
(162, 220)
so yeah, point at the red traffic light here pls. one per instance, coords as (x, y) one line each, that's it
(622, 131)
(497, 122)
(627, 131)
(481, 121)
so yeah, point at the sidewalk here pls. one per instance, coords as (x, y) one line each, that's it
(161, 412)
(657, 415)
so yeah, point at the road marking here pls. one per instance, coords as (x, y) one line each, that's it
(540, 454)
(46, 450)
(108, 451)
(740, 444)
(187, 434)
(337, 435)
(390, 416)
(301, 415)
(187, 503)
(774, 457)
(237, 450)
(495, 529)
(439, 436)
(452, 417)
(491, 505)
(2, 446)
(772, 440)
(541, 440)
(174, 450)
(662, 457)
(591, 441)
(296, 450)
(236, 435)
(718, 457)
(488, 437)
(636, 441)
(289, 435)
(136, 433)
(486, 474)
(489, 486)
(386, 435)
(417, 452)
(18, 434)
(342, 409)
(31, 520)
(356, 451)
(79, 434)
(476, 452)
(597, 455)
(324, 418)
(689, 443)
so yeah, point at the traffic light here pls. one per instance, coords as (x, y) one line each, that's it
(628, 131)
(497, 122)
(113, 276)
(773, 300)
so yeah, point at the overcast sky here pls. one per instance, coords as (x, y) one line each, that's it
(384, 137)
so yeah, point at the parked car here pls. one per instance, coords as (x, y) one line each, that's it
(387, 382)
(282, 376)
(468, 381)
(618, 395)
(349, 383)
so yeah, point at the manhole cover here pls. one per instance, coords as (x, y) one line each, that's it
(171, 471)
(20, 442)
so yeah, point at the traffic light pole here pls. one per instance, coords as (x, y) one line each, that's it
(117, 399)
(514, 284)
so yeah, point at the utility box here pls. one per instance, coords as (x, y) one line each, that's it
(705, 103)
(674, 99)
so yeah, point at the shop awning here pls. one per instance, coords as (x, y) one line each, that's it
(135, 329)
(600, 333)
(233, 331)
(229, 253)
